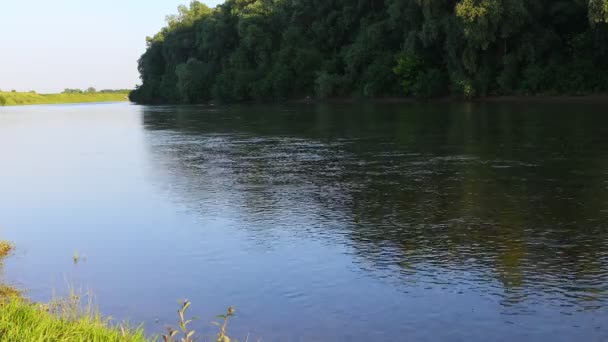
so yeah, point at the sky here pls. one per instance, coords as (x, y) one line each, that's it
(48, 46)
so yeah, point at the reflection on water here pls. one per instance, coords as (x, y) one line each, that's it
(357, 222)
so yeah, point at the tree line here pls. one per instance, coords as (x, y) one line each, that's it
(265, 50)
(92, 90)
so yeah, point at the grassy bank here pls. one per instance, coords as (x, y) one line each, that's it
(69, 320)
(24, 321)
(31, 98)
(60, 320)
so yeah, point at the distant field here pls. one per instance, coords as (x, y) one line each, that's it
(18, 99)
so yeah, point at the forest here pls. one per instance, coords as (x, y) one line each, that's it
(273, 50)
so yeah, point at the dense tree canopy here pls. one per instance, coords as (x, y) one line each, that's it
(277, 49)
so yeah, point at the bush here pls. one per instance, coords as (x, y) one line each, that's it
(407, 69)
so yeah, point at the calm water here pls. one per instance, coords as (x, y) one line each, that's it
(348, 222)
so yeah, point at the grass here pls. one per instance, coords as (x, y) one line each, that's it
(5, 248)
(7, 292)
(69, 320)
(31, 98)
(188, 334)
(24, 321)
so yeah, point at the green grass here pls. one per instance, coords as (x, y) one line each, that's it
(23, 321)
(8, 292)
(31, 98)
(69, 321)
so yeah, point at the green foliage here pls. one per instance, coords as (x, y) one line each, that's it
(69, 319)
(598, 11)
(271, 50)
(408, 67)
(481, 19)
(72, 91)
(429, 83)
(508, 78)
(191, 77)
(417, 79)
(328, 85)
(22, 321)
(114, 91)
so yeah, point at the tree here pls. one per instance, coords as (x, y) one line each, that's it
(72, 91)
(270, 50)
(598, 11)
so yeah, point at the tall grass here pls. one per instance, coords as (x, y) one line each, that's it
(5, 248)
(7, 292)
(16, 99)
(23, 321)
(68, 320)
(185, 334)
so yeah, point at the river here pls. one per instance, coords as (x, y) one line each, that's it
(318, 222)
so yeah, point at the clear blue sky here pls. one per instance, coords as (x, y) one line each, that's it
(51, 45)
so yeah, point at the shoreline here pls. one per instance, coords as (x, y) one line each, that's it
(74, 319)
(598, 98)
(592, 98)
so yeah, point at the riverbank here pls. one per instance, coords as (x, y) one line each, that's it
(592, 98)
(600, 98)
(24, 321)
(69, 320)
(31, 98)
(61, 320)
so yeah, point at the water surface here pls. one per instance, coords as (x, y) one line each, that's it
(342, 222)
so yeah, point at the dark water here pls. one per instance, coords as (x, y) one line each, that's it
(348, 222)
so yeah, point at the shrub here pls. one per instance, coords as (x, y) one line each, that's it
(407, 69)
